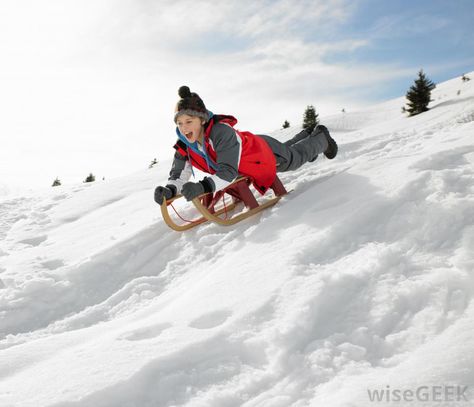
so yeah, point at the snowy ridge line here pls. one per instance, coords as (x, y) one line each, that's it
(358, 279)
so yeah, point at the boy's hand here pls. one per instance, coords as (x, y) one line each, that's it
(162, 193)
(191, 190)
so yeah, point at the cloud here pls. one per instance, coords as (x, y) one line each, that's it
(259, 45)
(406, 25)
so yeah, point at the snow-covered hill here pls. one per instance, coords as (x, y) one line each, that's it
(359, 280)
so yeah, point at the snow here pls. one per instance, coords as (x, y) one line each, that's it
(360, 279)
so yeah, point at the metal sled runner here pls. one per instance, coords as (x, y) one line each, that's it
(207, 204)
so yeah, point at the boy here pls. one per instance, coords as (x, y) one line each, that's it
(210, 143)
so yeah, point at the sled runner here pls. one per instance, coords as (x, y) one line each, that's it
(207, 204)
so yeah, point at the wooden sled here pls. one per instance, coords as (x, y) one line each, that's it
(206, 204)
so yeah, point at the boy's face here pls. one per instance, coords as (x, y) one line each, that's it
(190, 126)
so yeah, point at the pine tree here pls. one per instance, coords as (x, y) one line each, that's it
(56, 182)
(465, 78)
(419, 95)
(286, 124)
(90, 178)
(153, 163)
(310, 119)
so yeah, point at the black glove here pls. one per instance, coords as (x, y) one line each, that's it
(191, 190)
(167, 192)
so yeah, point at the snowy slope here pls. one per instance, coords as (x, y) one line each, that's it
(361, 278)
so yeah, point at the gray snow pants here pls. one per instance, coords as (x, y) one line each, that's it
(300, 149)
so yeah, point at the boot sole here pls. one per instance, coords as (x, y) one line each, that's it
(332, 149)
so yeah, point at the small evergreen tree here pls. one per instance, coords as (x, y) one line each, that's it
(465, 78)
(419, 95)
(90, 178)
(310, 119)
(56, 182)
(154, 162)
(286, 124)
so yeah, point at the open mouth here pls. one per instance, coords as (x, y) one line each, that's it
(189, 135)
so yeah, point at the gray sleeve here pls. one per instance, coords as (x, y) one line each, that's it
(180, 172)
(227, 146)
(179, 163)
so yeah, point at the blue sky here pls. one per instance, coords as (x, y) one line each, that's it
(436, 35)
(90, 86)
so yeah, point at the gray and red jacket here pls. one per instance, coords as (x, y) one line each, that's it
(226, 153)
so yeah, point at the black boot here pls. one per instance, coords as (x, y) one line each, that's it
(331, 151)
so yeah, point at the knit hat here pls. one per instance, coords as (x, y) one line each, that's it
(190, 104)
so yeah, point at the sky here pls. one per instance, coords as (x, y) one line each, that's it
(91, 85)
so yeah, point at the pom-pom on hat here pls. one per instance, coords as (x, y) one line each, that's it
(190, 104)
